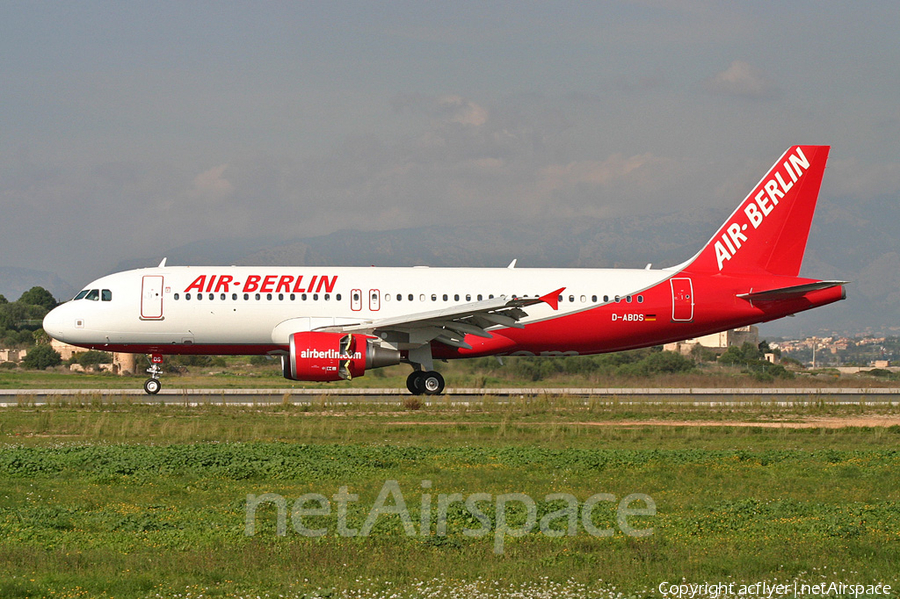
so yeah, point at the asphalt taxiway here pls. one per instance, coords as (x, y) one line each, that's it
(460, 396)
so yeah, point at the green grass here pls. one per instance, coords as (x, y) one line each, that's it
(482, 373)
(122, 500)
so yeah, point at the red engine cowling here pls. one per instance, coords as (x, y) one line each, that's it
(318, 356)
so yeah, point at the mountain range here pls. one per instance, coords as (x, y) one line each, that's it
(859, 246)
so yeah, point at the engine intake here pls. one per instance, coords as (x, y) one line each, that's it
(316, 356)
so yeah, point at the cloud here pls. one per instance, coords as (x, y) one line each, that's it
(741, 80)
(211, 185)
(447, 108)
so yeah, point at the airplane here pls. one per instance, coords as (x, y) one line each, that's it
(332, 324)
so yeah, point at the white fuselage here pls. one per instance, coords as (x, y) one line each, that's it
(251, 309)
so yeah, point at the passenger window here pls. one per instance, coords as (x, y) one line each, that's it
(176, 297)
(82, 294)
(479, 297)
(583, 299)
(187, 296)
(410, 297)
(605, 298)
(338, 297)
(468, 297)
(280, 297)
(571, 298)
(593, 298)
(106, 295)
(222, 296)
(315, 297)
(93, 295)
(327, 296)
(246, 296)
(628, 299)
(434, 297)
(257, 296)
(421, 297)
(212, 296)
(456, 297)
(234, 296)
(445, 297)
(640, 299)
(399, 297)
(293, 297)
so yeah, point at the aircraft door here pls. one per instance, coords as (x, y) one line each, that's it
(152, 297)
(374, 300)
(682, 300)
(356, 300)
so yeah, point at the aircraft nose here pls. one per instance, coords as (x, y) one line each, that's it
(56, 323)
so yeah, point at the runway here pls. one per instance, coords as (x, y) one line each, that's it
(785, 397)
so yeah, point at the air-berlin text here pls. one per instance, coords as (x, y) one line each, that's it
(263, 284)
(760, 205)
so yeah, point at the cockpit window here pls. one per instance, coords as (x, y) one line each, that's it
(106, 295)
(93, 295)
(81, 295)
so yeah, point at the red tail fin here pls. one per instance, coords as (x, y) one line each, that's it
(768, 231)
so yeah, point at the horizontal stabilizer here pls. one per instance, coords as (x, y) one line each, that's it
(789, 292)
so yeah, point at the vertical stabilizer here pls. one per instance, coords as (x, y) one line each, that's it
(768, 231)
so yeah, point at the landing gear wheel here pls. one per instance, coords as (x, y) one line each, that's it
(433, 383)
(152, 386)
(415, 382)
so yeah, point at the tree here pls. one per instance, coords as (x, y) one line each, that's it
(42, 357)
(38, 296)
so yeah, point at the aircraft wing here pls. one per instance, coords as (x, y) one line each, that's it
(450, 325)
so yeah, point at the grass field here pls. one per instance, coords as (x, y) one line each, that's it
(128, 500)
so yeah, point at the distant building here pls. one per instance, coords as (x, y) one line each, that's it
(13, 355)
(65, 350)
(717, 342)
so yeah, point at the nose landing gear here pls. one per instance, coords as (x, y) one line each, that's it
(153, 385)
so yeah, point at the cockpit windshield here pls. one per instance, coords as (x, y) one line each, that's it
(95, 295)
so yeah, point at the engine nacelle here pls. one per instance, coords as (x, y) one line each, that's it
(316, 356)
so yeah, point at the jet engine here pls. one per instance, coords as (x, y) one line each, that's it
(316, 356)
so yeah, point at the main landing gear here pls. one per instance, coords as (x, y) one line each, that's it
(429, 383)
(153, 385)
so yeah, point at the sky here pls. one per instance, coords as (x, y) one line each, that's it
(127, 129)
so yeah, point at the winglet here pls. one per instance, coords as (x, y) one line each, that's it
(552, 298)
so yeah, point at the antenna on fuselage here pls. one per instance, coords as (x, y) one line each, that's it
(162, 264)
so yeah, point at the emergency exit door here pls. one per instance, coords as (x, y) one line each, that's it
(682, 300)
